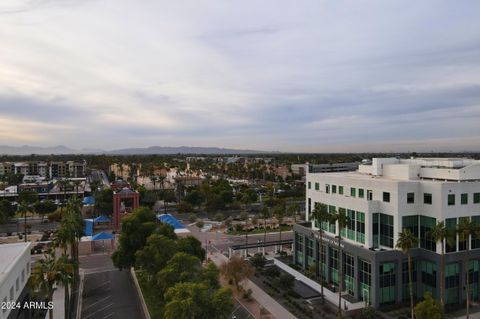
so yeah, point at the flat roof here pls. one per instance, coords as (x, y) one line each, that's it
(9, 256)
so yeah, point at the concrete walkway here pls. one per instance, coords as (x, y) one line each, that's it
(329, 295)
(58, 303)
(276, 309)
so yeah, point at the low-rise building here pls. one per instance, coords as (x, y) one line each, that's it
(15, 270)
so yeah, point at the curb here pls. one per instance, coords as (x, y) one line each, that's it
(140, 294)
(80, 294)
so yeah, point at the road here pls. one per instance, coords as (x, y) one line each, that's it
(221, 242)
(99, 175)
(108, 293)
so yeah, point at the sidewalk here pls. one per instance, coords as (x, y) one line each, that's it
(276, 309)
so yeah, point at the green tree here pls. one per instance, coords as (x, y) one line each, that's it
(136, 228)
(320, 214)
(191, 246)
(286, 281)
(465, 229)
(406, 241)
(265, 213)
(26, 200)
(258, 261)
(429, 308)
(44, 207)
(279, 212)
(342, 220)
(181, 267)
(7, 211)
(154, 256)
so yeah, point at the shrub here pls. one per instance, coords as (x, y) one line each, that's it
(200, 224)
(272, 272)
(258, 261)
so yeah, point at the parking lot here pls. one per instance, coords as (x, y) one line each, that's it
(240, 312)
(107, 292)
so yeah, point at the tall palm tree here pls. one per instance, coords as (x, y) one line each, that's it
(279, 214)
(265, 214)
(439, 234)
(465, 229)
(406, 241)
(320, 214)
(342, 221)
(49, 272)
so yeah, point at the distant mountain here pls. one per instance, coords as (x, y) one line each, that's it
(28, 150)
(153, 150)
(164, 150)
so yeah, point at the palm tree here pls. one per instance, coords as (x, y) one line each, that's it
(65, 277)
(320, 214)
(465, 229)
(49, 272)
(292, 211)
(265, 214)
(406, 241)
(279, 214)
(342, 221)
(439, 234)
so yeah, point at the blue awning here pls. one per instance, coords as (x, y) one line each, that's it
(102, 219)
(102, 236)
(88, 227)
(88, 200)
(172, 221)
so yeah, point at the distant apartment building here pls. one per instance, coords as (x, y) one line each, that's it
(47, 170)
(15, 271)
(381, 200)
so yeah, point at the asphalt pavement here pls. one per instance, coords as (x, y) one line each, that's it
(108, 293)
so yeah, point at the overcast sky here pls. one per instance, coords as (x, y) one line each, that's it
(270, 75)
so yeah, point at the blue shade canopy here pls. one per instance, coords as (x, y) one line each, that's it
(102, 236)
(88, 227)
(89, 200)
(172, 221)
(102, 219)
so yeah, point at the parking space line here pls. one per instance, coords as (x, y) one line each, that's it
(101, 309)
(108, 316)
(101, 300)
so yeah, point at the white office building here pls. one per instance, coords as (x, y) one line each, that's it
(381, 199)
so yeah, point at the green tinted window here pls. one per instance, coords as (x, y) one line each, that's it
(464, 199)
(361, 193)
(451, 199)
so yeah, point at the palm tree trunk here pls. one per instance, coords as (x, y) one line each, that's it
(442, 277)
(410, 287)
(25, 224)
(264, 233)
(50, 311)
(67, 302)
(468, 279)
(322, 274)
(280, 226)
(340, 279)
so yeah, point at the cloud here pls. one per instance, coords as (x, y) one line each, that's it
(315, 75)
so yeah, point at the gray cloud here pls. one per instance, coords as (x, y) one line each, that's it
(315, 75)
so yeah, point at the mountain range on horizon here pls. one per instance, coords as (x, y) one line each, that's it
(152, 150)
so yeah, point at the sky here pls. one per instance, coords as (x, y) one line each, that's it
(274, 75)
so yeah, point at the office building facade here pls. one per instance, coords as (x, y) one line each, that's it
(381, 199)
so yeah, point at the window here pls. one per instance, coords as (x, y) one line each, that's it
(17, 284)
(310, 259)
(382, 230)
(327, 188)
(333, 265)
(427, 198)
(476, 198)
(452, 283)
(361, 193)
(361, 227)
(410, 198)
(386, 197)
(451, 225)
(426, 239)
(332, 226)
(387, 283)
(411, 223)
(352, 191)
(464, 199)
(317, 186)
(23, 276)
(309, 205)
(334, 189)
(28, 268)
(299, 248)
(351, 224)
(340, 190)
(405, 280)
(429, 276)
(451, 199)
(365, 278)
(349, 273)
(11, 294)
(309, 185)
(369, 194)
